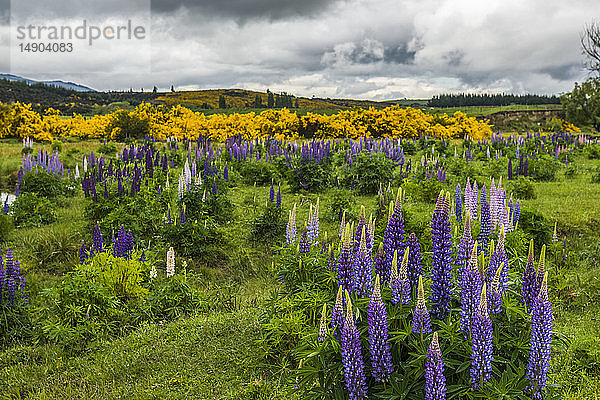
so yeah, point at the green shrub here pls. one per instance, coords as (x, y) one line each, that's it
(341, 201)
(172, 298)
(426, 190)
(596, 175)
(57, 146)
(46, 185)
(108, 149)
(309, 176)
(268, 227)
(6, 226)
(570, 172)
(593, 151)
(259, 172)
(536, 226)
(522, 188)
(369, 171)
(200, 203)
(544, 168)
(31, 210)
(201, 240)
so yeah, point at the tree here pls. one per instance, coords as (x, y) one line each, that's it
(172, 88)
(222, 101)
(257, 101)
(590, 42)
(154, 89)
(270, 99)
(582, 105)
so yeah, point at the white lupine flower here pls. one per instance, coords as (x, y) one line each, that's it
(170, 262)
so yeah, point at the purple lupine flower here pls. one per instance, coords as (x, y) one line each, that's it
(458, 203)
(499, 257)
(516, 214)
(214, 187)
(363, 270)
(5, 208)
(98, 242)
(226, 173)
(393, 236)
(143, 256)
(481, 336)
(379, 348)
(345, 270)
(182, 215)
(485, 227)
(441, 272)
(323, 324)
(421, 322)
(465, 247)
(530, 288)
(471, 284)
(337, 314)
(354, 369)
(414, 260)
(304, 244)
(542, 319)
(495, 294)
(278, 203)
(83, 254)
(435, 382)
(380, 261)
(290, 229)
(362, 224)
(11, 287)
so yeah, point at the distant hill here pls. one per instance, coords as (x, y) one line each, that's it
(56, 83)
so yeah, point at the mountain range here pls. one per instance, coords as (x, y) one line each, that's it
(56, 83)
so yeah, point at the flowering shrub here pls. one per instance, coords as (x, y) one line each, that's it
(31, 210)
(14, 299)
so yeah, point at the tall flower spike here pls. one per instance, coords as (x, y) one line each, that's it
(403, 278)
(395, 281)
(542, 320)
(337, 315)
(421, 320)
(354, 369)
(471, 285)
(393, 236)
(380, 267)
(344, 267)
(343, 226)
(363, 268)
(414, 260)
(170, 262)
(441, 272)
(530, 288)
(481, 336)
(435, 382)
(323, 325)
(541, 268)
(379, 347)
(554, 235)
(495, 293)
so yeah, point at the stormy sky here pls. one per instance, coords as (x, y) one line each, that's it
(368, 49)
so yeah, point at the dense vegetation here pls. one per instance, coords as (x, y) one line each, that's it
(488, 100)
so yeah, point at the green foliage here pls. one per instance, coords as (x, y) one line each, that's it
(582, 105)
(172, 298)
(369, 171)
(124, 124)
(200, 203)
(31, 210)
(593, 151)
(108, 149)
(596, 175)
(259, 172)
(571, 172)
(47, 185)
(426, 190)
(268, 227)
(536, 226)
(309, 176)
(6, 226)
(341, 201)
(16, 323)
(544, 168)
(522, 188)
(497, 168)
(57, 146)
(201, 240)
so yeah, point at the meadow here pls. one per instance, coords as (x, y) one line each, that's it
(200, 268)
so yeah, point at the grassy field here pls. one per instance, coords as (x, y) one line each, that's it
(214, 355)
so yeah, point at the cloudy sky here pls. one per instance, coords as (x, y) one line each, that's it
(368, 49)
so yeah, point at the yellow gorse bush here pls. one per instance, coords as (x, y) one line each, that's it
(160, 122)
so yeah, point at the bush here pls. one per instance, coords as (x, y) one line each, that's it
(369, 171)
(426, 191)
(544, 168)
(31, 210)
(536, 226)
(570, 172)
(341, 201)
(201, 240)
(6, 226)
(309, 176)
(108, 149)
(45, 184)
(269, 227)
(172, 298)
(259, 172)
(523, 188)
(596, 175)
(593, 151)
(57, 146)
(200, 203)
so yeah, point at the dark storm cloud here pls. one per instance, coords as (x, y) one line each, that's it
(4, 12)
(398, 54)
(241, 10)
(563, 72)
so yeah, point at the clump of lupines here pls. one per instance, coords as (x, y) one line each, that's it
(363, 270)
(421, 322)
(481, 337)
(529, 287)
(414, 260)
(541, 341)
(435, 381)
(345, 270)
(290, 229)
(12, 282)
(354, 369)
(441, 287)
(379, 348)
(471, 284)
(393, 236)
